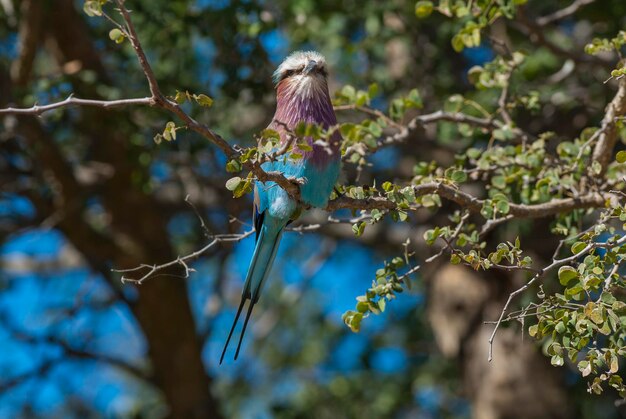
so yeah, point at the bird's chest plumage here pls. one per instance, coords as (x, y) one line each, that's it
(318, 167)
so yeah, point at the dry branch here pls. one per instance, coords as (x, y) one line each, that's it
(72, 100)
(603, 152)
(563, 13)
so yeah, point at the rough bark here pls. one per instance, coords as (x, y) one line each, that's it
(30, 30)
(603, 152)
(518, 383)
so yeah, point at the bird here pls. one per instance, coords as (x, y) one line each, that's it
(302, 95)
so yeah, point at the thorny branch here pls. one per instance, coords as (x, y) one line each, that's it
(181, 260)
(72, 100)
(147, 271)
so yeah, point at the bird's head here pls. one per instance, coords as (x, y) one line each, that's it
(302, 73)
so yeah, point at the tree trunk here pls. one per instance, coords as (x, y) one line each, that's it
(137, 231)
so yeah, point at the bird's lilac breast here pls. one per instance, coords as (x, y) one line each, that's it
(316, 110)
(320, 166)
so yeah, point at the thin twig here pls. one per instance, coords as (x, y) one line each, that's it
(563, 13)
(181, 260)
(203, 225)
(504, 94)
(441, 252)
(72, 100)
(536, 277)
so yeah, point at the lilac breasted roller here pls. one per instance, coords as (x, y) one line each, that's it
(301, 96)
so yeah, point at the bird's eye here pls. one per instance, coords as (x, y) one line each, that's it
(288, 74)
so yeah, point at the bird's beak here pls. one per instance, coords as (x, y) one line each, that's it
(310, 66)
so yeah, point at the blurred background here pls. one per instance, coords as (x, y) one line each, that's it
(86, 190)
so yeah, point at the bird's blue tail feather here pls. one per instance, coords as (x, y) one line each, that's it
(262, 260)
(260, 266)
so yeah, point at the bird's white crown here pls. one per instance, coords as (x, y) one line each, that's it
(297, 62)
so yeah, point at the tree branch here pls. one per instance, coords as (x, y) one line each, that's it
(465, 200)
(30, 35)
(563, 13)
(537, 35)
(71, 100)
(420, 121)
(182, 261)
(603, 152)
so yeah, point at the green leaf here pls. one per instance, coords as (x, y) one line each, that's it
(93, 7)
(203, 100)
(499, 182)
(613, 364)
(304, 146)
(243, 188)
(232, 183)
(396, 110)
(474, 153)
(596, 167)
(619, 307)
(578, 247)
(353, 320)
(358, 228)
(584, 367)
(362, 307)
(503, 134)
(423, 9)
(503, 207)
(116, 35)
(413, 99)
(557, 360)
(457, 43)
(361, 98)
(181, 97)
(375, 129)
(372, 90)
(567, 274)
(349, 93)
(233, 165)
(459, 176)
(381, 304)
(169, 133)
